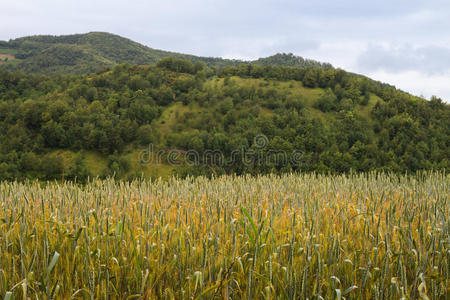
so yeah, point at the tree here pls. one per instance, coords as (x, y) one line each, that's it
(91, 94)
(366, 98)
(327, 101)
(145, 135)
(77, 170)
(138, 83)
(52, 166)
(310, 79)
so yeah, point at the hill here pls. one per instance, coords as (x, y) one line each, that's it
(290, 60)
(87, 53)
(127, 120)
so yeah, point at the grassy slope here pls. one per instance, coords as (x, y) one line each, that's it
(170, 115)
(96, 163)
(153, 169)
(308, 95)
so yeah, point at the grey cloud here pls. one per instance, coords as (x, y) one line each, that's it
(334, 31)
(431, 60)
(351, 8)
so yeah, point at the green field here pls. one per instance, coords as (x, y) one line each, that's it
(366, 236)
(8, 51)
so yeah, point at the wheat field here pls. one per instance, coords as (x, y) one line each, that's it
(296, 236)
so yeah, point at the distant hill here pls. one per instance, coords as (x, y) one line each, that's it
(90, 52)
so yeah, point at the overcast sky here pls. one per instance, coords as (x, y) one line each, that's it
(402, 42)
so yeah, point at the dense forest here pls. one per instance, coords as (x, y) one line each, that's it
(94, 51)
(76, 126)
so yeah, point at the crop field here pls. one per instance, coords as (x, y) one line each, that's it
(302, 236)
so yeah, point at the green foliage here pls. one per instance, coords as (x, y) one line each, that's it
(117, 166)
(311, 78)
(177, 65)
(145, 135)
(78, 170)
(366, 98)
(327, 101)
(290, 60)
(335, 126)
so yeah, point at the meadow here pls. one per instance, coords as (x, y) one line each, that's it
(294, 236)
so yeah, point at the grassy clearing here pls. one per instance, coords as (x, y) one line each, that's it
(171, 114)
(7, 56)
(154, 167)
(12, 62)
(8, 51)
(367, 236)
(296, 88)
(365, 110)
(95, 162)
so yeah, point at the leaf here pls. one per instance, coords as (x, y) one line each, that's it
(77, 236)
(422, 291)
(211, 288)
(119, 229)
(335, 278)
(79, 292)
(338, 294)
(255, 230)
(24, 289)
(53, 262)
(9, 296)
(348, 261)
(347, 291)
(55, 290)
(251, 233)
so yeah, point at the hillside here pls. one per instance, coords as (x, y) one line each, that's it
(320, 119)
(87, 53)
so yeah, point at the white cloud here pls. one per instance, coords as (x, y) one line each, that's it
(429, 60)
(416, 83)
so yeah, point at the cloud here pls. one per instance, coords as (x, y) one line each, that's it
(430, 60)
(367, 37)
(416, 83)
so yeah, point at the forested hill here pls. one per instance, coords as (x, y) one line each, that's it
(87, 53)
(100, 124)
